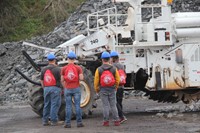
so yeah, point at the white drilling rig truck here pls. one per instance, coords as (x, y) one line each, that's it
(161, 53)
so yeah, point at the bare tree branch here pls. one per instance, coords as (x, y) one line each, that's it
(47, 6)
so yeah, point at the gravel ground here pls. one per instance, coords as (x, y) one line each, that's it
(143, 116)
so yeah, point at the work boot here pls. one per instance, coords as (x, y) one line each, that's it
(106, 123)
(116, 123)
(80, 125)
(67, 126)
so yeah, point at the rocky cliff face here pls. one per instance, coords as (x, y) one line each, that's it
(13, 88)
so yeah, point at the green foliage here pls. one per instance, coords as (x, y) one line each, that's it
(23, 19)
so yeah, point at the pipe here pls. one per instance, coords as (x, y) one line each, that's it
(31, 61)
(186, 14)
(25, 77)
(187, 22)
(188, 32)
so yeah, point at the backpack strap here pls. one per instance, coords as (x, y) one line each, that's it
(73, 66)
(50, 68)
(111, 69)
(100, 69)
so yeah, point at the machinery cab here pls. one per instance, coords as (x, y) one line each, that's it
(153, 24)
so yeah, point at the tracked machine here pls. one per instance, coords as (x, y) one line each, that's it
(161, 52)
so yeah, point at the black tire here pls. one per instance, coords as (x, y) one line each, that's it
(61, 112)
(36, 99)
(88, 93)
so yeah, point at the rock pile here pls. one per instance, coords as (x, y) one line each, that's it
(13, 88)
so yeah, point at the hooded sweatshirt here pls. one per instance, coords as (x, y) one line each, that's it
(97, 78)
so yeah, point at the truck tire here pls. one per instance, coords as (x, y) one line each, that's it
(87, 92)
(36, 99)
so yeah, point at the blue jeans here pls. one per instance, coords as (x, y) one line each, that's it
(52, 102)
(76, 94)
(108, 99)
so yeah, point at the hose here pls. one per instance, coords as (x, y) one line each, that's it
(31, 61)
(28, 79)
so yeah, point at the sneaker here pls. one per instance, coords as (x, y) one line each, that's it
(122, 120)
(116, 123)
(54, 123)
(106, 123)
(67, 126)
(80, 125)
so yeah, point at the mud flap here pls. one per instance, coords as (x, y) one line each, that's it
(141, 78)
(158, 80)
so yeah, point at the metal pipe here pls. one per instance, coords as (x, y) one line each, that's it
(188, 32)
(187, 22)
(186, 14)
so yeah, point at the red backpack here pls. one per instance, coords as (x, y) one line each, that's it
(122, 77)
(49, 79)
(106, 78)
(71, 74)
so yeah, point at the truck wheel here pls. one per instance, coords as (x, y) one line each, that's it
(87, 92)
(61, 112)
(36, 99)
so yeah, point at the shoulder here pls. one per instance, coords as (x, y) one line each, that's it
(114, 64)
(44, 69)
(79, 68)
(114, 67)
(57, 68)
(63, 69)
(99, 69)
(121, 66)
